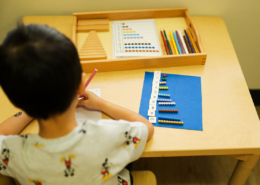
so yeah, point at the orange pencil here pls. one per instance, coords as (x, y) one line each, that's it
(192, 41)
(173, 52)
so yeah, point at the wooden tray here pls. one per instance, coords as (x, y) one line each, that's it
(160, 15)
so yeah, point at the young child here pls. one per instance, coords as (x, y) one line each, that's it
(40, 73)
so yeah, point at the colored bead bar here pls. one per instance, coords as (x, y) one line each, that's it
(164, 95)
(168, 118)
(172, 122)
(167, 110)
(162, 83)
(166, 103)
(163, 79)
(168, 100)
(164, 88)
(164, 75)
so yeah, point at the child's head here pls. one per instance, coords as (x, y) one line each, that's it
(40, 70)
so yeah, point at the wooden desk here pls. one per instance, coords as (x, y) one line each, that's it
(230, 122)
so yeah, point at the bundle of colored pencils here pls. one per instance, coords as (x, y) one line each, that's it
(179, 43)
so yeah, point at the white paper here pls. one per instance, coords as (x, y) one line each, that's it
(151, 113)
(84, 114)
(137, 38)
(152, 102)
(154, 96)
(152, 107)
(152, 119)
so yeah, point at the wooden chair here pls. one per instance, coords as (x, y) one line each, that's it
(140, 178)
(5, 180)
(144, 178)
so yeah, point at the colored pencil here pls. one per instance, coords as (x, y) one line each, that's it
(174, 45)
(90, 78)
(165, 45)
(187, 44)
(88, 81)
(171, 45)
(177, 43)
(192, 41)
(167, 41)
(179, 40)
(191, 47)
(183, 43)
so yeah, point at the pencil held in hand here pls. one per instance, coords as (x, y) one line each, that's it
(90, 78)
(88, 81)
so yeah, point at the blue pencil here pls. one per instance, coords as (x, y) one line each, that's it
(177, 43)
(189, 42)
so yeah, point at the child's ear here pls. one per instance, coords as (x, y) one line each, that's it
(81, 88)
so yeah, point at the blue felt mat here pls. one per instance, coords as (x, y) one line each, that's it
(185, 91)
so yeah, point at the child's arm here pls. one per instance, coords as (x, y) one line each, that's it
(92, 101)
(15, 124)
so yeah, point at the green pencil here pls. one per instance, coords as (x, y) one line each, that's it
(168, 44)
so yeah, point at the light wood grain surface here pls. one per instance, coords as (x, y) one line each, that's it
(230, 122)
(161, 23)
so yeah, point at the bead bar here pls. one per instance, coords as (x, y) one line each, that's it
(166, 103)
(164, 75)
(163, 79)
(168, 118)
(164, 88)
(162, 83)
(167, 110)
(164, 95)
(168, 100)
(172, 122)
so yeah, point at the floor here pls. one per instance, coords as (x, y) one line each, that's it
(207, 170)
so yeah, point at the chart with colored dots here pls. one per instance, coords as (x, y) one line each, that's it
(175, 103)
(135, 39)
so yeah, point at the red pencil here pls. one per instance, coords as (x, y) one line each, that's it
(165, 45)
(90, 78)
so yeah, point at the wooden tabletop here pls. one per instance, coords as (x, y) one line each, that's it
(230, 121)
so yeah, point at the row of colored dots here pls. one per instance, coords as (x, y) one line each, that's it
(137, 43)
(139, 47)
(133, 37)
(130, 34)
(141, 51)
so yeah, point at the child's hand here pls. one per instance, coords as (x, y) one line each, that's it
(91, 100)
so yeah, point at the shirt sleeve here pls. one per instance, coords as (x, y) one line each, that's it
(136, 138)
(2, 164)
(131, 136)
(4, 155)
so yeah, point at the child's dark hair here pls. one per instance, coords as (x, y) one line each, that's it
(40, 70)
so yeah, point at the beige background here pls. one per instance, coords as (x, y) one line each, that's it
(240, 16)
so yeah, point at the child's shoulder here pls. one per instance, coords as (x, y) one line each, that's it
(109, 124)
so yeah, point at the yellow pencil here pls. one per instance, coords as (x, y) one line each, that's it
(174, 44)
(173, 51)
(192, 41)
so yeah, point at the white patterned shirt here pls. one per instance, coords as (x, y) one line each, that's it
(93, 153)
